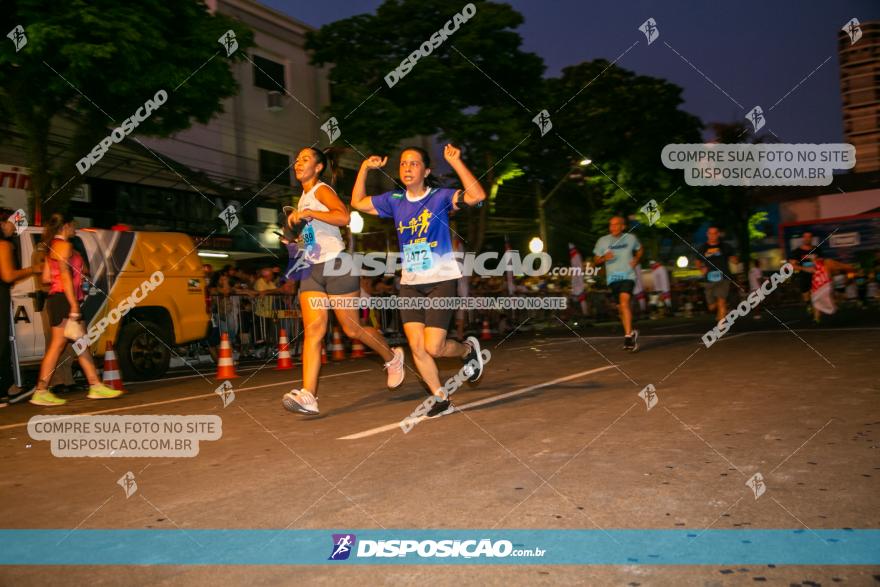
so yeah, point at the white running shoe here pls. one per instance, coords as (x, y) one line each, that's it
(395, 369)
(301, 401)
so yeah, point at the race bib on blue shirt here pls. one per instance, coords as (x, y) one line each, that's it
(417, 257)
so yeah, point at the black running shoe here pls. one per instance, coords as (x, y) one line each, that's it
(627, 343)
(473, 362)
(635, 341)
(439, 408)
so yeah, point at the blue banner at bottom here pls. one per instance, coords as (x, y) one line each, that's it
(440, 547)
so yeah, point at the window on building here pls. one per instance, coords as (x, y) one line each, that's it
(268, 74)
(274, 167)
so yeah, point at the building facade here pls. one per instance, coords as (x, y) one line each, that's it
(860, 90)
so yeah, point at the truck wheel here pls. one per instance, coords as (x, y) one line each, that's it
(140, 353)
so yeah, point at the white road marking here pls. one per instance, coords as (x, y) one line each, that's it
(581, 339)
(183, 399)
(482, 402)
(695, 335)
(206, 374)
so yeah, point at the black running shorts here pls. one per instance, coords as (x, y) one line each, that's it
(433, 317)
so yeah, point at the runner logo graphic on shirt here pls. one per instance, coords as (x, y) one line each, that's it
(420, 222)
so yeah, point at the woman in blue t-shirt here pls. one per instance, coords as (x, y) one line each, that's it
(430, 270)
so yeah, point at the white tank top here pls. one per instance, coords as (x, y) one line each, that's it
(322, 241)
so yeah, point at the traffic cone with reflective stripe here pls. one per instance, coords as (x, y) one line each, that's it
(324, 360)
(225, 364)
(336, 348)
(486, 333)
(284, 361)
(111, 377)
(357, 349)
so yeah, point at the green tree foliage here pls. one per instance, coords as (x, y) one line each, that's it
(621, 121)
(83, 57)
(476, 90)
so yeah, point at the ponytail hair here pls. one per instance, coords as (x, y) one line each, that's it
(329, 158)
(53, 226)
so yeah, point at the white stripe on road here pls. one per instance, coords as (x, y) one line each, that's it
(184, 399)
(695, 335)
(582, 338)
(203, 375)
(482, 402)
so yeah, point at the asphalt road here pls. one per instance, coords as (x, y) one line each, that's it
(555, 436)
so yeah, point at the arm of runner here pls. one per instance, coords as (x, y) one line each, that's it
(835, 266)
(637, 256)
(597, 258)
(8, 272)
(337, 213)
(359, 198)
(473, 191)
(700, 265)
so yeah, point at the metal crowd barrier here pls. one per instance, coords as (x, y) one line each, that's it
(253, 323)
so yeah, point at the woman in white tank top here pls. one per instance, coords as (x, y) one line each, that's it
(319, 215)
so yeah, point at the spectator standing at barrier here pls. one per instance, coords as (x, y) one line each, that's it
(756, 278)
(660, 277)
(265, 286)
(228, 306)
(213, 294)
(821, 296)
(802, 259)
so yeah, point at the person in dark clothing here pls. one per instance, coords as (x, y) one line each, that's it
(8, 276)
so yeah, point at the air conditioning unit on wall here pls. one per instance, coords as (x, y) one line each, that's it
(274, 101)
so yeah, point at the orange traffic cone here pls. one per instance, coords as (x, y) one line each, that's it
(324, 360)
(225, 364)
(486, 334)
(284, 361)
(336, 347)
(357, 349)
(111, 377)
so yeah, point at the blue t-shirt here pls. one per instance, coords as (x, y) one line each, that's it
(423, 232)
(623, 247)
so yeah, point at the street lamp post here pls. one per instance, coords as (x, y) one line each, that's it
(542, 201)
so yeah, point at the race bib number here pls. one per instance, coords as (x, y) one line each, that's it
(617, 276)
(308, 236)
(417, 257)
(714, 276)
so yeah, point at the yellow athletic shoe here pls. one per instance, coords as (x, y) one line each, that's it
(44, 397)
(101, 391)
